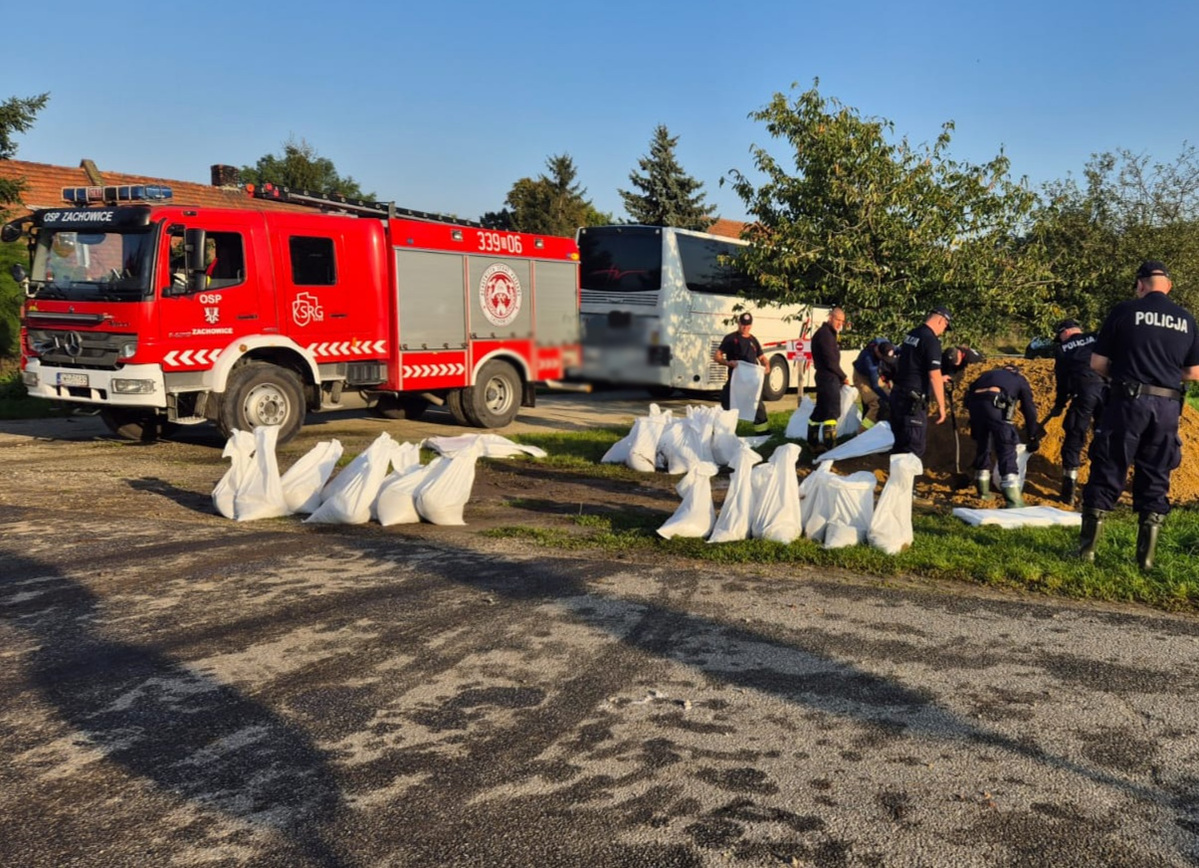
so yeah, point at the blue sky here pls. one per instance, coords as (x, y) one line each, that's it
(441, 106)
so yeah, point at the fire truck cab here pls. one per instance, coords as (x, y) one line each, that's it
(162, 314)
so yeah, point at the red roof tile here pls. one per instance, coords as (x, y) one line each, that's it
(44, 183)
(727, 228)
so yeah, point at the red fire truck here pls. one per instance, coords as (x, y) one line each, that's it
(161, 314)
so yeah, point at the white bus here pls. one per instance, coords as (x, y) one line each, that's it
(656, 301)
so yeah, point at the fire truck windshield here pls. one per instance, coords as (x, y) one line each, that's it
(93, 266)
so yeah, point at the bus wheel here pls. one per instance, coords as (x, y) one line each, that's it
(401, 407)
(778, 378)
(494, 400)
(136, 425)
(453, 402)
(260, 393)
(660, 392)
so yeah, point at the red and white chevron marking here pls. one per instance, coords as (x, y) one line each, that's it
(347, 348)
(415, 372)
(187, 358)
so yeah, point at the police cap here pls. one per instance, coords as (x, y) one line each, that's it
(746, 318)
(1063, 326)
(1152, 268)
(941, 311)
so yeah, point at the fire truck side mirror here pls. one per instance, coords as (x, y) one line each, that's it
(18, 272)
(14, 230)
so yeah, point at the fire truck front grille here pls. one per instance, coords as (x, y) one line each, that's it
(78, 349)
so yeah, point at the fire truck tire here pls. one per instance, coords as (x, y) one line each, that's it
(260, 393)
(494, 400)
(396, 407)
(453, 403)
(132, 424)
(778, 378)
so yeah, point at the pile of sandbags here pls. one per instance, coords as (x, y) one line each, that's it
(660, 441)
(386, 482)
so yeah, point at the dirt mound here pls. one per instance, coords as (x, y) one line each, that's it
(1044, 477)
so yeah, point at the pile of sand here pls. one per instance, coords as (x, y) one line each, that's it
(1044, 478)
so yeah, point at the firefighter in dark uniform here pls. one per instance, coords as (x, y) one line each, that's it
(1146, 347)
(741, 346)
(1080, 388)
(826, 360)
(918, 374)
(870, 371)
(992, 400)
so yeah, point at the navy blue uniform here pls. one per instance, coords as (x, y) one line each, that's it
(826, 359)
(919, 355)
(1148, 341)
(868, 367)
(992, 400)
(747, 349)
(1080, 387)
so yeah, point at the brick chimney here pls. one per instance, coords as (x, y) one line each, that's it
(225, 176)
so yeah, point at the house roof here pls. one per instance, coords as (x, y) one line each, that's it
(727, 228)
(44, 183)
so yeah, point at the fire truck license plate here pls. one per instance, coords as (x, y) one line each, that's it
(72, 380)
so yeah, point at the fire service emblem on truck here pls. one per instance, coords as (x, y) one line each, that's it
(500, 294)
(306, 309)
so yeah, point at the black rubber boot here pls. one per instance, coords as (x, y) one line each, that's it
(1012, 498)
(1151, 523)
(814, 436)
(828, 434)
(1069, 487)
(982, 484)
(1088, 537)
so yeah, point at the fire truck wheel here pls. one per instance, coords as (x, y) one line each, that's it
(132, 424)
(394, 407)
(778, 378)
(453, 402)
(260, 393)
(494, 400)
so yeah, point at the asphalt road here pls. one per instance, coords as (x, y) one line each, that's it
(179, 689)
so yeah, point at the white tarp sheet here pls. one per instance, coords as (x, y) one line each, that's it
(1028, 516)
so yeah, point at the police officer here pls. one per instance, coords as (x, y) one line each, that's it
(741, 346)
(826, 359)
(869, 369)
(1146, 347)
(917, 375)
(992, 400)
(1080, 387)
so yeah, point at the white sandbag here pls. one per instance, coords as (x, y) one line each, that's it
(494, 446)
(679, 446)
(696, 515)
(240, 448)
(737, 511)
(1022, 456)
(840, 534)
(348, 497)
(1028, 516)
(395, 503)
(703, 420)
(402, 457)
(756, 440)
(745, 389)
(442, 496)
(797, 425)
(725, 445)
(618, 452)
(847, 499)
(850, 420)
(643, 451)
(807, 491)
(875, 440)
(260, 491)
(776, 497)
(891, 527)
(303, 481)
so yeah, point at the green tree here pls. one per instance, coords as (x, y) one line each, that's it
(301, 168)
(1127, 209)
(883, 228)
(552, 204)
(668, 196)
(16, 116)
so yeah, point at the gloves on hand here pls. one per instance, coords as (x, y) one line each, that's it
(1034, 444)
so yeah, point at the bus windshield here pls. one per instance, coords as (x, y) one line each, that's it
(92, 266)
(620, 259)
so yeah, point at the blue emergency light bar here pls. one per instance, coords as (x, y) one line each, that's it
(137, 193)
